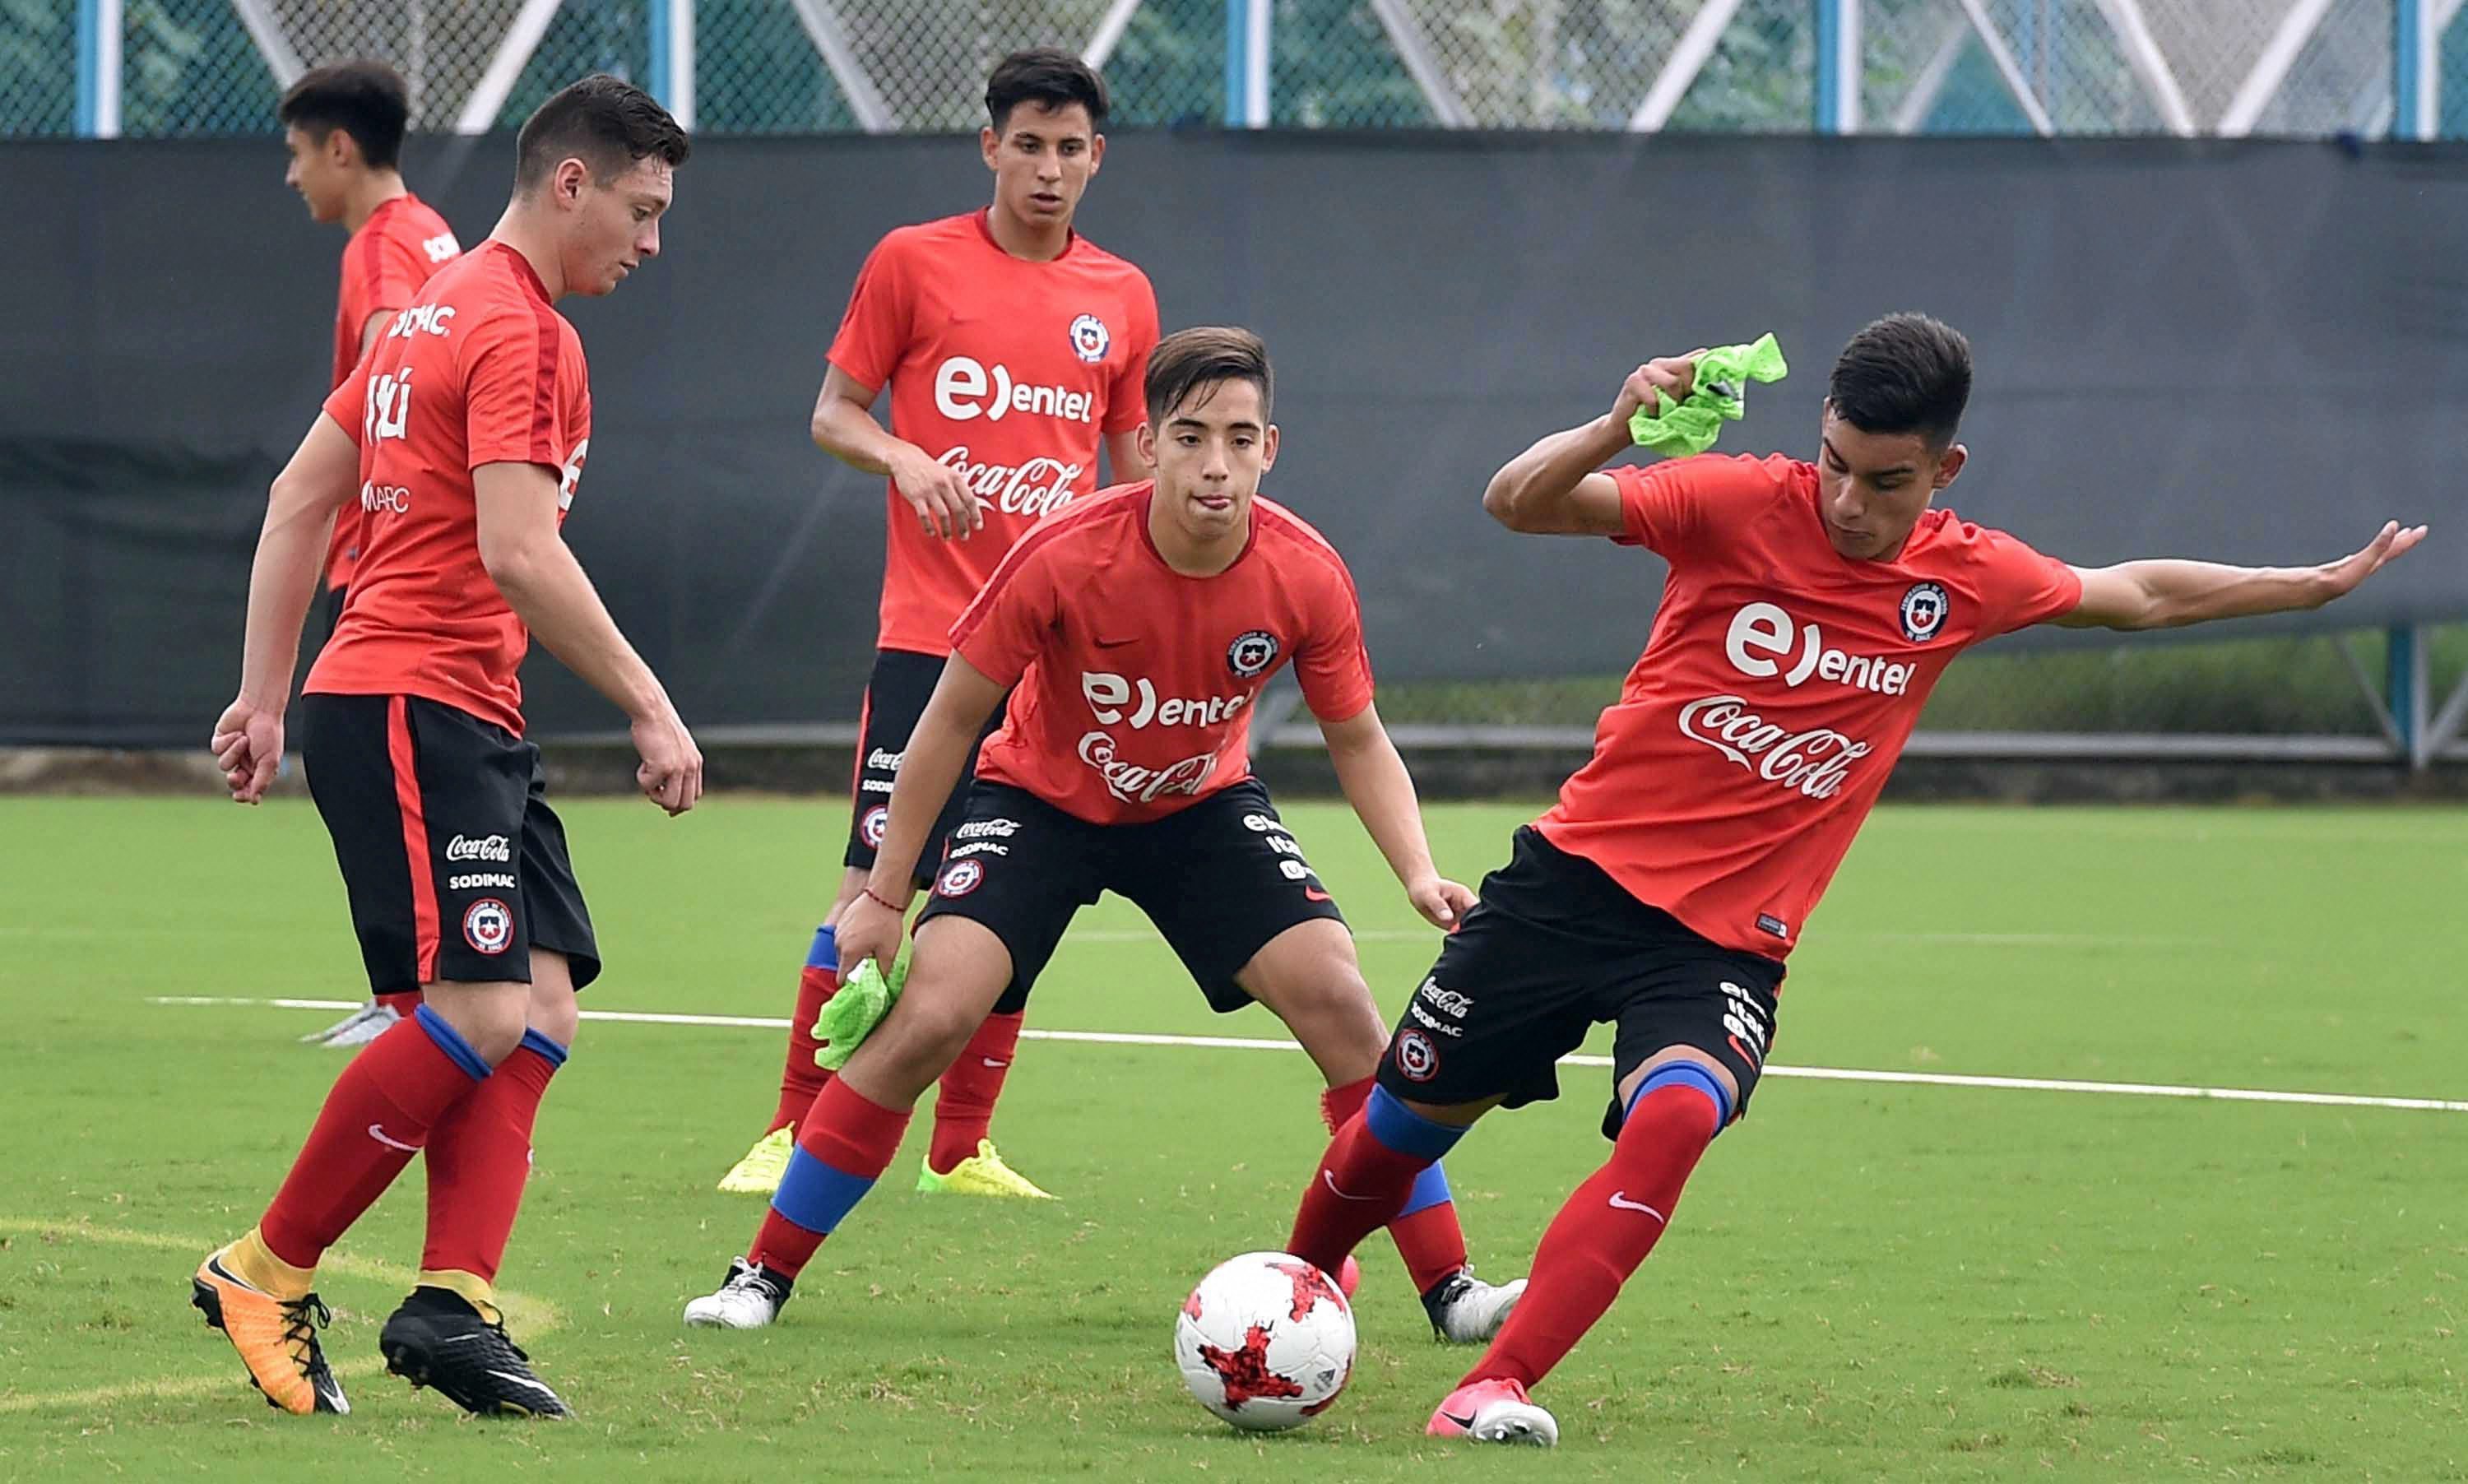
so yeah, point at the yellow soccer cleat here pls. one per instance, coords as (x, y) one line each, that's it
(981, 1173)
(765, 1165)
(277, 1341)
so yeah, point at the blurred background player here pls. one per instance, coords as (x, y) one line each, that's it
(1139, 627)
(1811, 608)
(343, 125)
(1012, 347)
(464, 435)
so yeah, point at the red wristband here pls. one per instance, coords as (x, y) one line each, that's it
(883, 900)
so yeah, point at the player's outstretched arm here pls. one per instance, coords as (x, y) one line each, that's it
(843, 426)
(1556, 488)
(1381, 792)
(549, 591)
(300, 508)
(929, 769)
(2169, 594)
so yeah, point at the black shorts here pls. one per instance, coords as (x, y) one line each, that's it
(455, 865)
(1554, 947)
(895, 697)
(1218, 879)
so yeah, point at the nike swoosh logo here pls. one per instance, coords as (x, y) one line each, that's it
(990, 1061)
(1466, 1422)
(1116, 644)
(1315, 894)
(1331, 1177)
(379, 1135)
(1617, 1200)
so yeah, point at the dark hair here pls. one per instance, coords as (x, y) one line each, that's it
(607, 123)
(366, 99)
(1189, 359)
(1043, 75)
(1903, 374)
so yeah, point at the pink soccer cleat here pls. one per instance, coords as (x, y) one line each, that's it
(1494, 1412)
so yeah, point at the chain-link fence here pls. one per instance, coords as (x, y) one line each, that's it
(2233, 67)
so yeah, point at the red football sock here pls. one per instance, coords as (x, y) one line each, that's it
(801, 1079)
(1431, 1241)
(964, 1104)
(843, 1147)
(479, 1156)
(1360, 1187)
(1606, 1229)
(377, 1117)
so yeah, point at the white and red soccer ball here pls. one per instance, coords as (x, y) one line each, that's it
(1266, 1341)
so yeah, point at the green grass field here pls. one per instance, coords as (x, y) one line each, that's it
(1866, 1281)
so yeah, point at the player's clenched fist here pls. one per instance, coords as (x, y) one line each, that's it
(1675, 375)
(944, 504)
(671, 775)
(867, 929)
(248, 746)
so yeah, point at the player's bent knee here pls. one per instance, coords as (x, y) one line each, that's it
(489, 1017)
(1686, 1068)
(553, 1011)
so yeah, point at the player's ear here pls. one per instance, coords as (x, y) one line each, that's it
(1949, 464)
(1145, 439)
(1268, 449)
(566, 183)
(988, 141)
(1096, 153)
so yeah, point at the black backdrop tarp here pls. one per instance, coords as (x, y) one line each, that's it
(2253, 352)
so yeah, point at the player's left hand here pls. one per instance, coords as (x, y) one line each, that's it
(2341, 577)
(1442, 902)
(248, 747)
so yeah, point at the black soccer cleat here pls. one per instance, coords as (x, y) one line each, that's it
(438, 1340)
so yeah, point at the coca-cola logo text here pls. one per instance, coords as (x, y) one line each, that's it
(1815, 763)
(1039, 486)
(1134, 784)
(488, 846)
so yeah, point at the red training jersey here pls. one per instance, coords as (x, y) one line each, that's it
(479, 370)
(384, 265)
(1134, 682)
(1009, 371)
(1777, 688)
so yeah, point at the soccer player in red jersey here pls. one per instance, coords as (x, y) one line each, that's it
(1810, 608)
(1012, 348)
(1133, 633)
(343, 125)
(463, 435)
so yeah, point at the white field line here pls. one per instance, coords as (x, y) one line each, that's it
(2136, 1089)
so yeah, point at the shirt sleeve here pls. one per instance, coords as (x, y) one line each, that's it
(1013, 619)
(348, 403)
(509, 367)
(1332, 663)
(394, 283)
(874, 329)
(1126, 399)
(2020, 586)
(1672, 507)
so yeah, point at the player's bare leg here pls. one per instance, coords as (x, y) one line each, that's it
(957, 971)
(1310, 977)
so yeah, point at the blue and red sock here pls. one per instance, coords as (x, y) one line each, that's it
(843, 1146)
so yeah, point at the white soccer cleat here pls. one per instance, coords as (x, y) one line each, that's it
(1465, 1311)
(752, 1297)
(1494, 1412)
(356, 1029)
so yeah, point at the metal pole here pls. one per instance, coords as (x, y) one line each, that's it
(98, 62)
(672, 58)
(1838, 66)
(2415, 83)
(1246, 63)
(2408, 680)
